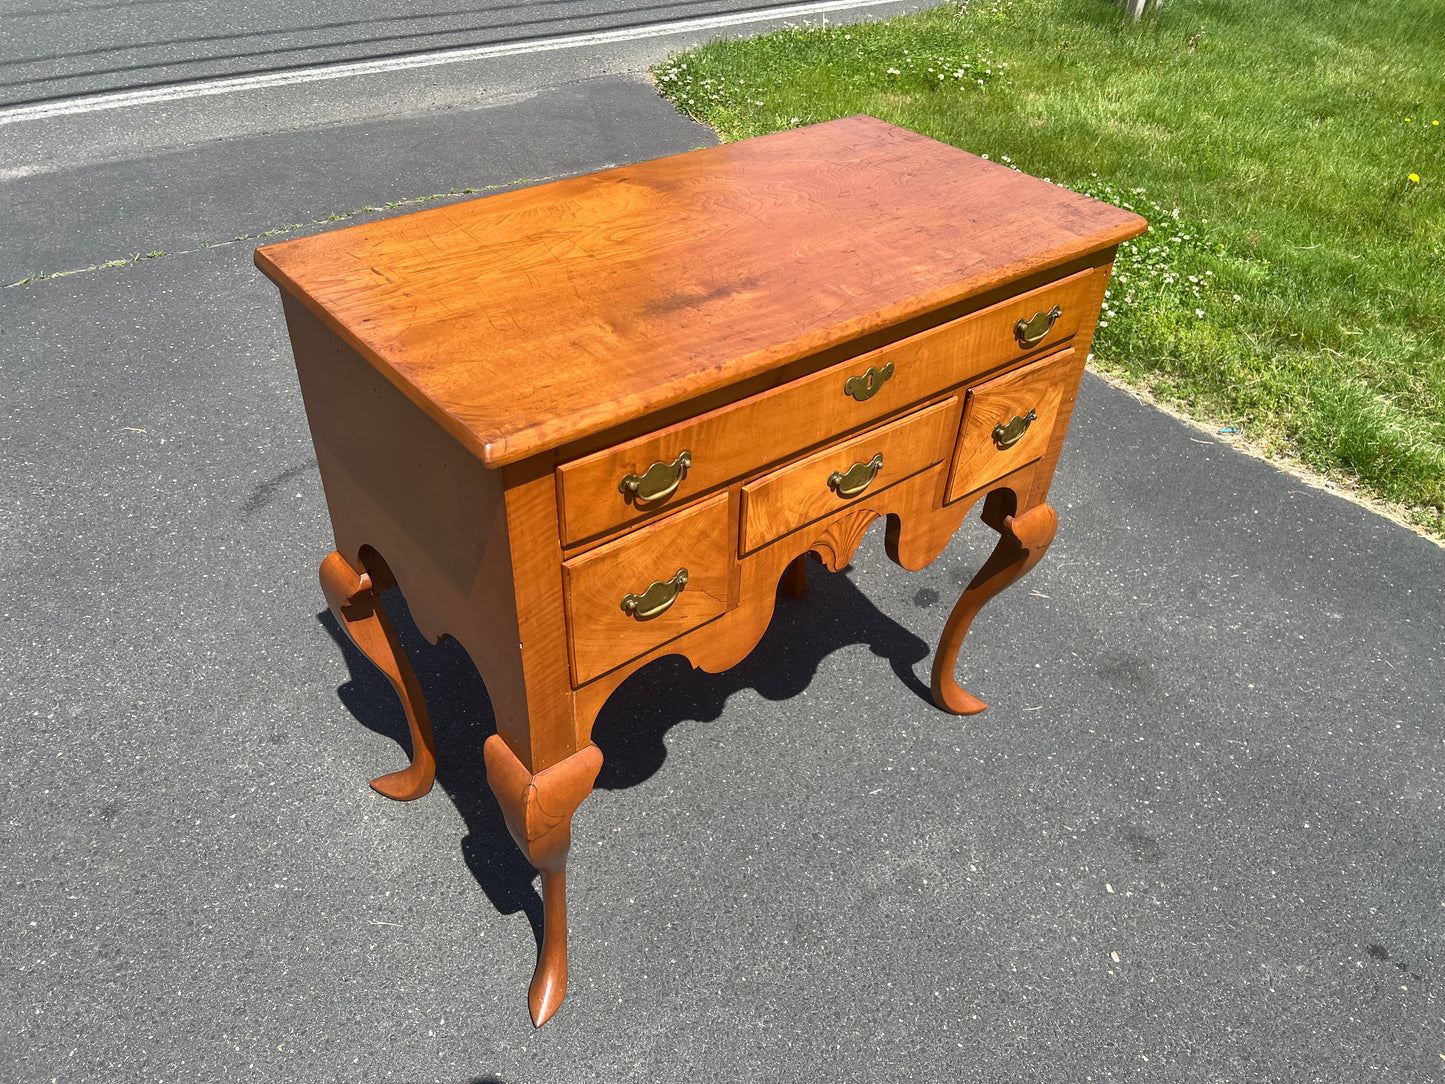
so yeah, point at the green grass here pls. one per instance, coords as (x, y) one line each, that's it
(1293, 284)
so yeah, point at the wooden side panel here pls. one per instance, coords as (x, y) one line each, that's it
(744, 437)
(1031, 395)
(396, 483)
(1044, 476)
(547, 735)
(603, 634)
(800, 492)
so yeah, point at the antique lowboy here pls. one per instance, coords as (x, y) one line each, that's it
(595, 422)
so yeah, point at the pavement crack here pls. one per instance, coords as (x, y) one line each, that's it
(269, 491)
(124, 262)
(414, 201)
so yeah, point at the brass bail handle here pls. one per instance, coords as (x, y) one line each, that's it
(856, 479)
(1006, 436)
(657, 599)
(1031, 331)
(864, 386)
(658, 482)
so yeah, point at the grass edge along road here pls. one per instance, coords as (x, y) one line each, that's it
(1289, 156)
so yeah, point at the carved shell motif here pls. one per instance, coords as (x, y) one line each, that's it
(840, 539)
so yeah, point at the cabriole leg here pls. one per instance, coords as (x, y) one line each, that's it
(795, 579)
(355, 600)
(538, 810)
(1022, 541)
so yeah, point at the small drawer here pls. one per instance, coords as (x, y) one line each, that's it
(1008, 421)
(601, 492)
(845, 474)
(642, 590)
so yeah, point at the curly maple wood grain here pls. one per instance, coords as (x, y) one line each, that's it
(464, 549)
(919, 528)
(744, 438)
(1035, 390)
(801, 492)
(840, 538)
(592, 322)
(695, 540)
(701, 271)
(538, 810)
(355, 600)
(1044, 474)
(1023, 540)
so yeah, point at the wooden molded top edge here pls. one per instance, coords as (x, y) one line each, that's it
(526, 320)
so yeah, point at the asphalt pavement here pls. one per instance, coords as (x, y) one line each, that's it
(95, 80)
(1196, 837)
(64, 49)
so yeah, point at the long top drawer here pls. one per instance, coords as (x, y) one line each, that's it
(606, 490)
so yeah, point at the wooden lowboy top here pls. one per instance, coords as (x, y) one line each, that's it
(527, 320)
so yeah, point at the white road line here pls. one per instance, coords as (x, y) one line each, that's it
(204, 87)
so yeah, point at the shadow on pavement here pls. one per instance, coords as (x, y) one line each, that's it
(832, 615)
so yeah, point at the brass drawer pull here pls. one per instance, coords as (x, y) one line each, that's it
(864, 387)
(1031, 331)
(858, 477)
(657, 599)
(657, 483)
(1006, 436)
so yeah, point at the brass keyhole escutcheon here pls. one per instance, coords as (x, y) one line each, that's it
(657, 599)
(657, 483)
(864, 386)
(856, 478)
(1006, 436)
(1031, 331)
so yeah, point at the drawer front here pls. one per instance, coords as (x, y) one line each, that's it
(726, 444)
(999, 434)
(830, 480)
(625, 598)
